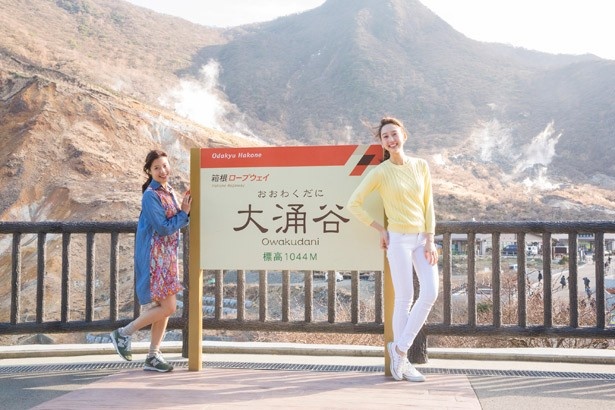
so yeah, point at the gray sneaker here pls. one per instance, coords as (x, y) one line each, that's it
(122, 345)
(157, 364)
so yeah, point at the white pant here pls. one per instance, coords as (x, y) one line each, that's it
(405, 250)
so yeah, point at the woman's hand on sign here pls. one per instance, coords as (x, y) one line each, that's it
(186, 202)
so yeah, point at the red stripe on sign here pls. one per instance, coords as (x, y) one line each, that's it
(258, 157)
(372, 156)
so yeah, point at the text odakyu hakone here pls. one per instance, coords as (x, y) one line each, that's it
(230, 155)
(295, 219)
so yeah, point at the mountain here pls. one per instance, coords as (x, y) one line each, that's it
(88, 86)
(78, 107)
(110, 43)
(312, 76)
(73, 153)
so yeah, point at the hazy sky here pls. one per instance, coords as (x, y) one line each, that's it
(554, 26)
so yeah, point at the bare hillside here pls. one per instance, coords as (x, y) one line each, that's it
(76, 153)
(110, 43)
(81, 83)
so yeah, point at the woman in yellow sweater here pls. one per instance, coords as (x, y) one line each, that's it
(404, 184)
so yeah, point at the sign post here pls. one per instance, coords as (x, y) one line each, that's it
(195, 282)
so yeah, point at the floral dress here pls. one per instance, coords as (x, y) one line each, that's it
(164, 276)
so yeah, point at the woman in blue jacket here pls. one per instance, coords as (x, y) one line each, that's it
(156, 268)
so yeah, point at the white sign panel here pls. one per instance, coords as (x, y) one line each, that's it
(284, 208)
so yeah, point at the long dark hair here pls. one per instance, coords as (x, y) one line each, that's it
(385, 121)
(152, 156)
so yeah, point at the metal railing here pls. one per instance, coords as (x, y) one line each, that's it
(89, 292)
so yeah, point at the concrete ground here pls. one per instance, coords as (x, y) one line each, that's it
(274, 375)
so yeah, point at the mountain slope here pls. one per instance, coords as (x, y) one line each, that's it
(318, 76)
(110, 43)
(75, 153)
(508, 133)
(578, 98)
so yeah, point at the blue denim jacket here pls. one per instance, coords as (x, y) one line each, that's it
(152, 219)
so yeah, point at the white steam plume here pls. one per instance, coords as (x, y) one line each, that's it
(530, 162)
(537, 156)
(540, 151)
(203, 102)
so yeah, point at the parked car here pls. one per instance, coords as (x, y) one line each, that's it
(531, 250)
(510, 250)
(338, 276)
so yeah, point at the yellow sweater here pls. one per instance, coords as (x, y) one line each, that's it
(406, 194)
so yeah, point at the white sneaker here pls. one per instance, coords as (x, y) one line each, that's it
(397, 363)
(411, 374)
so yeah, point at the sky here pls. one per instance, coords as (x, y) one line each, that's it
(552, 26)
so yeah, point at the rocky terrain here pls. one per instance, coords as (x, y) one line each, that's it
(82, 100)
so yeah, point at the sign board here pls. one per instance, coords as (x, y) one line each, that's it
(284, 208)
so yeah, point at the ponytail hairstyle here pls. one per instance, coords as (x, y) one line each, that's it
(385, 121)
(147, 168)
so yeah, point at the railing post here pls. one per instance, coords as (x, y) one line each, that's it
(113, 277)
(309, 296)
(447, 269)
(573, 297)
(40, 281)
(355, 292)
(263, 289)
(379, 297)
(285, 296)
(472, 287)
(331, 295)
(496, 285)
(417, 354)
(89, 277)
(241, 295)
(16, 280)
(600, 272)
(521, 280)
(547, 280)
(65, 315)
(219, 294)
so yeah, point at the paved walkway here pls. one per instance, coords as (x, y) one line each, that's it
(242, 376)
(266, 389)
